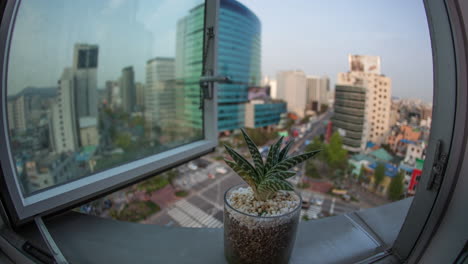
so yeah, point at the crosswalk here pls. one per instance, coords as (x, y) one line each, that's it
(312, 212)
(188, 215)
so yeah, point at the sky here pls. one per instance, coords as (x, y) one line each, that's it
(315, 36)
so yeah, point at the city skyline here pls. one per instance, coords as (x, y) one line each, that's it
(393, 42)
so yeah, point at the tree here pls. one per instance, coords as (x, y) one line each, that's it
(171, 175)
(361, 172)
(123, 140)
(311, 170)
(336, 156)
(379, 174)
(395, 190)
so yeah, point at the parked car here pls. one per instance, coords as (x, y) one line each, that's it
(346, 197)
(211, 176)
(305, 204)
(319, 200)
(192, 166)
(221, 170)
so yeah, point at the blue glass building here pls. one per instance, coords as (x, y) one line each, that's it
(239, 51)
(264, 114)
(239, 57)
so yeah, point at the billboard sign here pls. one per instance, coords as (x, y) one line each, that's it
(259, 92)
(364, 63)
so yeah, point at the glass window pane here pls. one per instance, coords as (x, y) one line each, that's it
(343, 85)
(97, 84)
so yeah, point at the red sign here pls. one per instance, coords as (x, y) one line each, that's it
(415, 176)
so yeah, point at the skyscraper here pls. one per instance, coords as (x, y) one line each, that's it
(64, 124)
(239, 50)
(364, 76)
(140, 95)
(85, 63)
(127, 89)
(292, 87)
(160, 105)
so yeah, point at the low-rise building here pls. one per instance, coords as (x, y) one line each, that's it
(89, 135)
(262, 113)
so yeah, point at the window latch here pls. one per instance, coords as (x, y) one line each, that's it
(438, 168)
(207, 84)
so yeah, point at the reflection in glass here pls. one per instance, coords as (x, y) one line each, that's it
(98, 84)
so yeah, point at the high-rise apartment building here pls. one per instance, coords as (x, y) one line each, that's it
(113, 97)
(239, 50)
(85, 63)
(17, 113)
(317, 92)
(160, 94)
(127, 89)
(292, 87)
(364, 75)
(140, 96)
(63, 122)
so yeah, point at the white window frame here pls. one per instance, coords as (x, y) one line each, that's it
(22, 209)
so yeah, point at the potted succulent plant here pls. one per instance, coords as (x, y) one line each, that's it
(261, 216)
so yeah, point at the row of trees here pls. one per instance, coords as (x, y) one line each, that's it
(333, 156)
(395, 189)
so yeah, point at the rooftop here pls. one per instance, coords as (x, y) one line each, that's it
(382, 155)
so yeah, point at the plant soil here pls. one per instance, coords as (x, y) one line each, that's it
(256, 239)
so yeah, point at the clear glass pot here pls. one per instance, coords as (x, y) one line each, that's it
(258, 239)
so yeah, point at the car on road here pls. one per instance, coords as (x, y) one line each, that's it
(305, 204)
(192, 166)
(319, 200)
(346, 197)
(221, 170)
(211, 176)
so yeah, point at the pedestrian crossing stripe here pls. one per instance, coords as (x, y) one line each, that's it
(188, 215)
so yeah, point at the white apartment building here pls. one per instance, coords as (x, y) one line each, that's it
(160, 92)
(318, 89)
(17, 113)
(292, 88)
(365, 72)
(267, 81)
(64, 132)
(89, 134)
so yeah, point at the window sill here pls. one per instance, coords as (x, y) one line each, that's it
(357, 237)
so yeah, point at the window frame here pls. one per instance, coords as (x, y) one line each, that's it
(68, 195)
(448, 125)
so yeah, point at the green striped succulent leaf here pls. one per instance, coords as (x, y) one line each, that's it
(253, 149)
(284, 152)
(274, 185)
(244, 175)
(293, 161)
(273, 155)
(266, 178)
(281, 175)
(243, 163)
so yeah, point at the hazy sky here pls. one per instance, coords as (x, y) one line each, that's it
(315, 36)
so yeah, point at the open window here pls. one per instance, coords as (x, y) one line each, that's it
(108, 94)
(153, 115)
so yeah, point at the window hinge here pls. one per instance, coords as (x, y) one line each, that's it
(54, 249)
(438, 168)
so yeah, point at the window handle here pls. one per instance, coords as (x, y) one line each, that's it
(207, 84)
